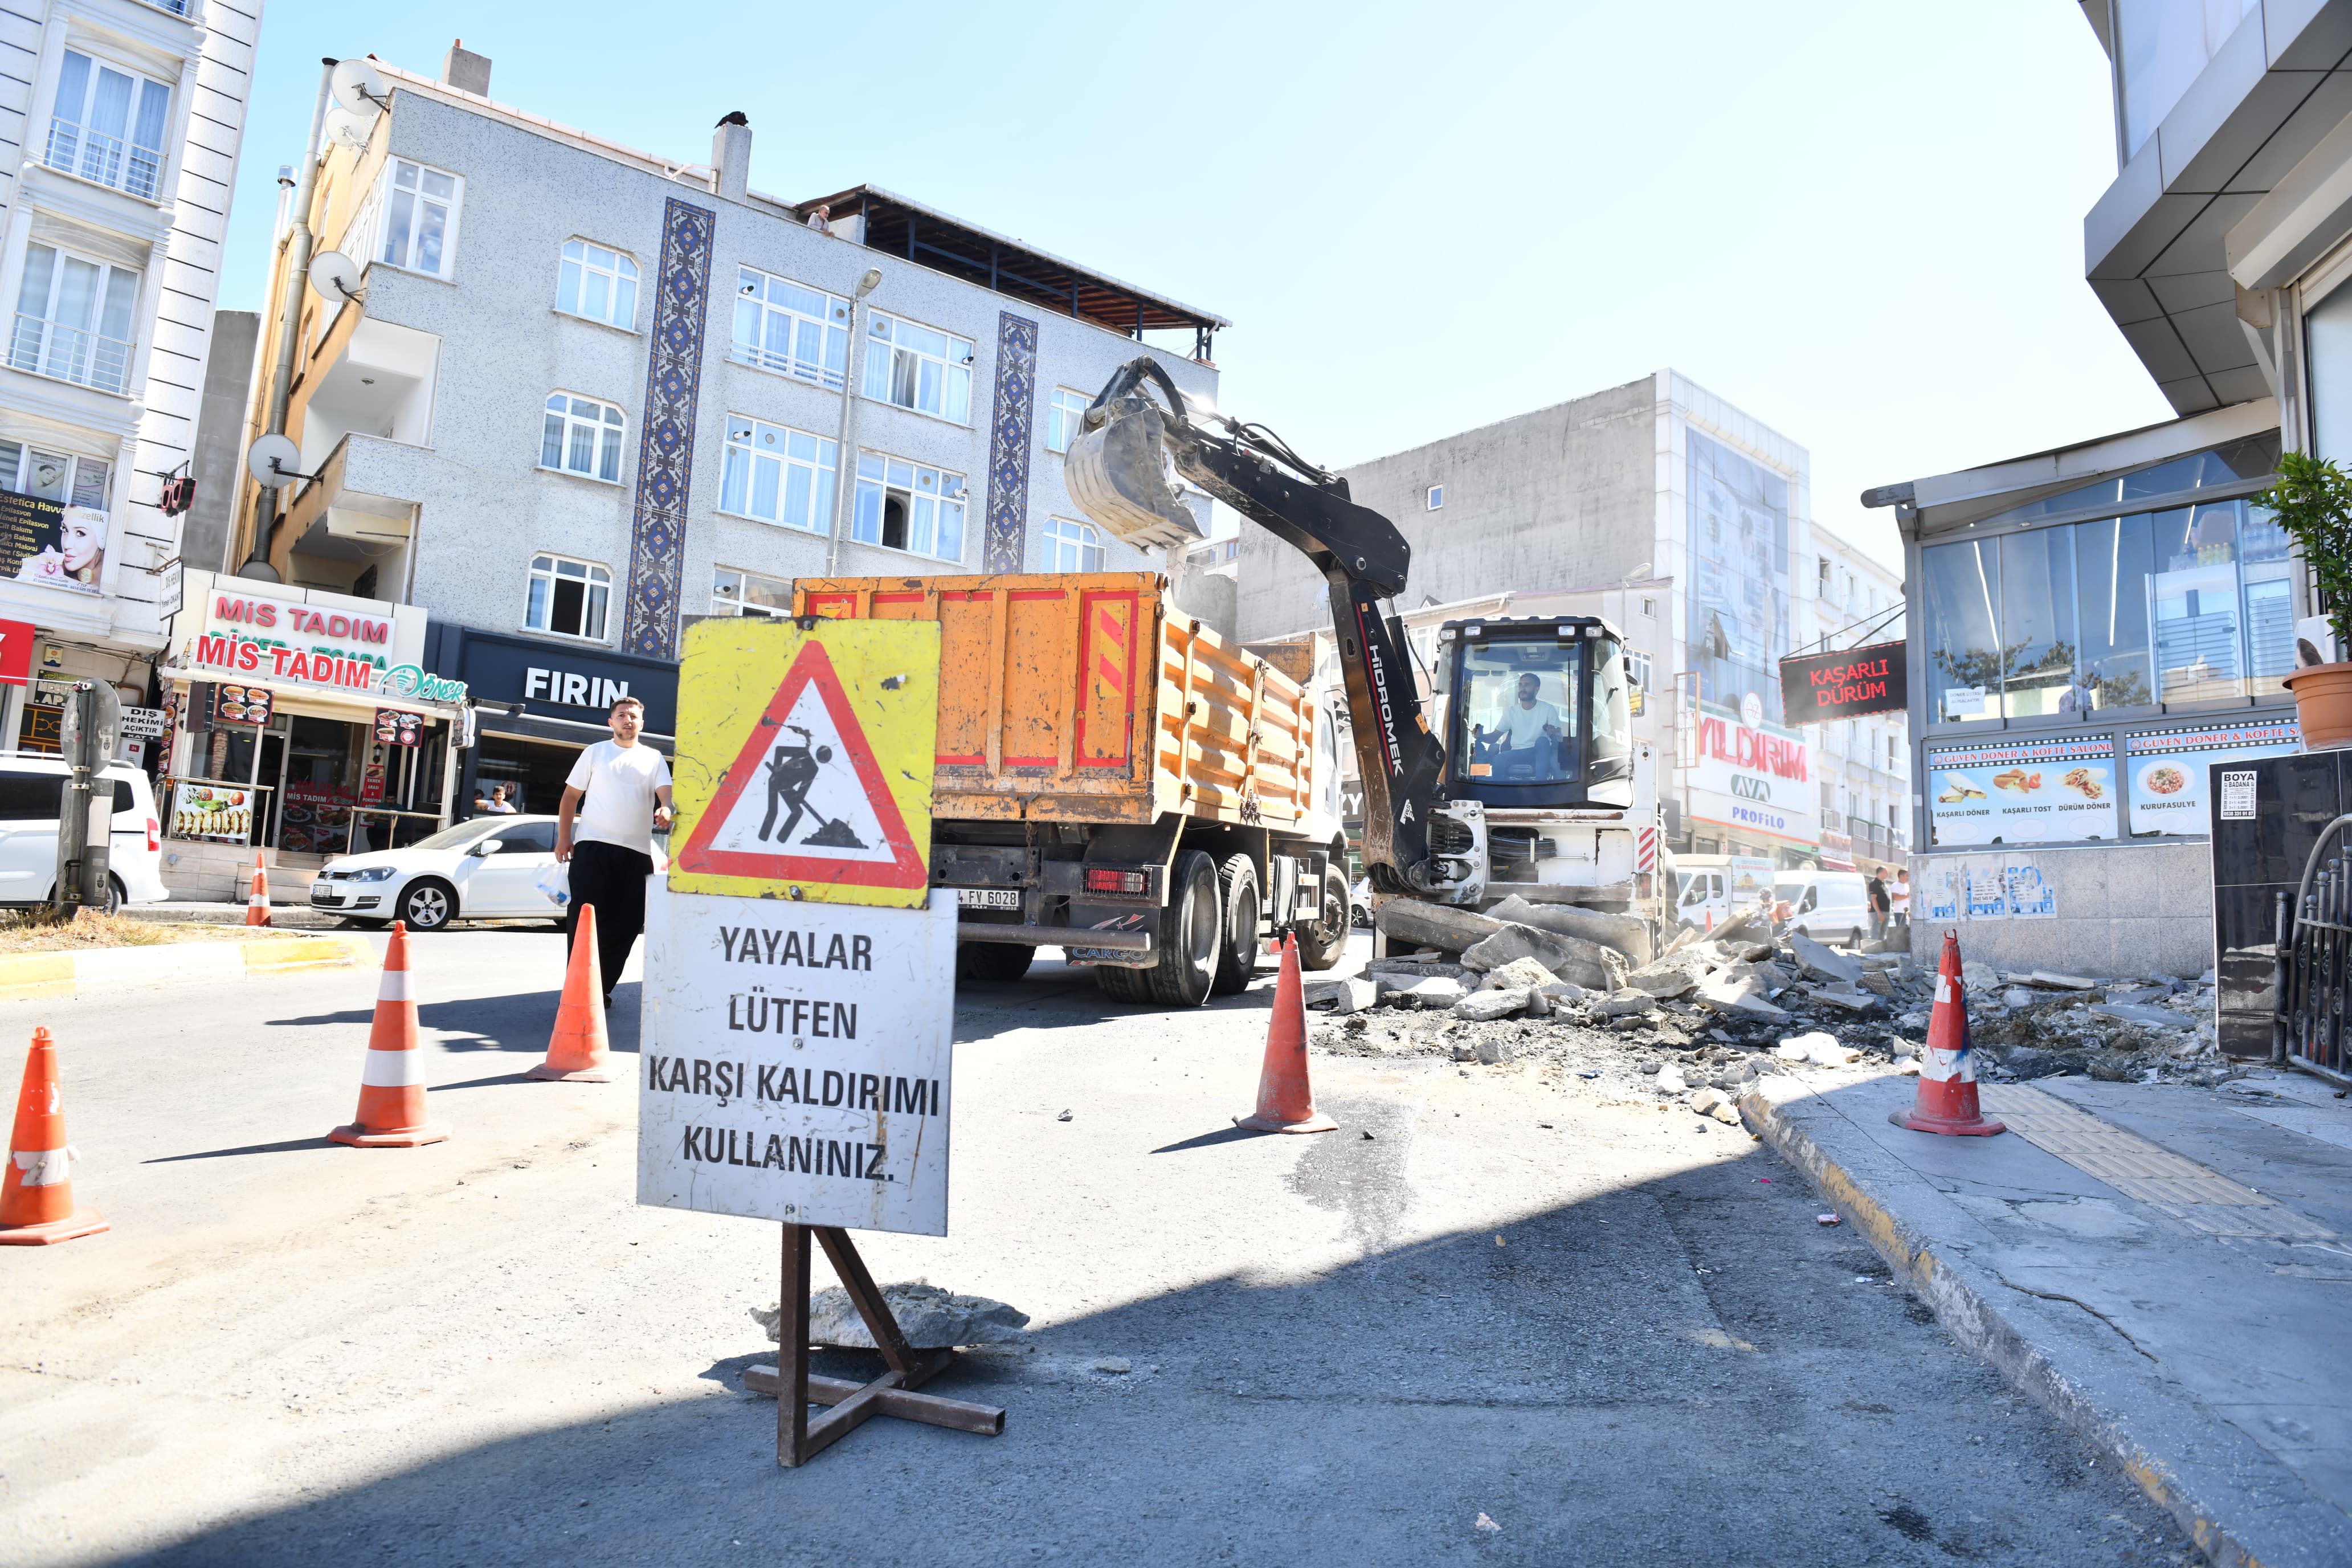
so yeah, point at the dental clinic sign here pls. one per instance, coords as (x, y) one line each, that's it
(1755, 783)
(305, 636)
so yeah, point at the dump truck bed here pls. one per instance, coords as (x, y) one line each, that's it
(1086, 697)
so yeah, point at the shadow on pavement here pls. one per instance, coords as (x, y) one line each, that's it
(519, 1022)
(1684, 1371)
(287, 1146)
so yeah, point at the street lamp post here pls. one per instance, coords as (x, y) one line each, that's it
(845, 459)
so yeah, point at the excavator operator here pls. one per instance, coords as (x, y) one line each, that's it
(1523, 738)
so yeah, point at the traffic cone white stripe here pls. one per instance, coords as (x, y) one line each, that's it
(392, 1070)
(394, 986)
(41, 1167)
(1943, 991)
(1945, 1067)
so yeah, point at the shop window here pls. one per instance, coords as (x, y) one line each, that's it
(736, 592)
(53, 475)
(597, 283)
(581, 435)
(567, 597)
(904, 506)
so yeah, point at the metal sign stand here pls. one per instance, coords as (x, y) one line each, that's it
(795, 1388)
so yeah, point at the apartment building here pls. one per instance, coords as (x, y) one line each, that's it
(1685, 521)
(118, 159)
(567, 395)
(1865, 762)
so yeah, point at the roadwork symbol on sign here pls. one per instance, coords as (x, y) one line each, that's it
(804, 761)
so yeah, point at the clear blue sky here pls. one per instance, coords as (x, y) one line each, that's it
(1860, 223)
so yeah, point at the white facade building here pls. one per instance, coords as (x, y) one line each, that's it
(118, 161)
(1862, 763)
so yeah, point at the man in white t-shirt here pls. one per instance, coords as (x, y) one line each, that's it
(616, 800)
(1526, 725)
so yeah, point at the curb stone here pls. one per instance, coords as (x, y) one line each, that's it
(31, 974)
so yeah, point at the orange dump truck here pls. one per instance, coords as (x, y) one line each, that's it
(1117, 780)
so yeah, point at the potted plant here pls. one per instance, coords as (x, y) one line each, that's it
(2313, 501)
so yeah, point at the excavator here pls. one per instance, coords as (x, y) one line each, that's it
(1520, 775)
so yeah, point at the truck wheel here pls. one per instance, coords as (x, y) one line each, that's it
(1322, 942)
(1189, 936)
(1124, 984)
(1237, 896)
(1001, 961)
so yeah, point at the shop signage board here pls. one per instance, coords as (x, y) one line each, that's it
(306, 638)
(236, 704)
(804, 761)
(1755, 781)
(795, 1061)
(552, 682)
(214, 812)
(2037, 791)
(395, 728)
(2167, 770)
(52, 543)
(1816, 687)
(144, 723)
(16, 640)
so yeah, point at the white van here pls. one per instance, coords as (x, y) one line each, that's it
(1827, 906)
(32, 793)
(1708, 889)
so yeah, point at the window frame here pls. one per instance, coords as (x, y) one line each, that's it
(824, 482)
(127, 147)
(1088, 539)
(593, 575)
(12, 474)
(1064, 405)
(963, 502)
(722, 604)
(877, 341)
(108, 271)
(379, 205)
(614, 429)
(633, 278)
(838, 318)
(1433, 498)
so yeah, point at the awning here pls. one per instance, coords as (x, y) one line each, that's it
(311, 694)
(559, 732)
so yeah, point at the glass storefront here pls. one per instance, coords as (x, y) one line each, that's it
(310, 783)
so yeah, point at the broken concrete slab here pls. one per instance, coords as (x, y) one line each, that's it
(1569, 958)
(1742, 1000)
(1433, 925)
(1851, 1001)
(1819, 958)
(1623, 1003)
(1747, 922)
(1629, 934)
(931, 1317)
(1342, 997)
(1519, 975)
(1485, 1006)
(2137, 1013)
(2061, 982)
(1666, 980)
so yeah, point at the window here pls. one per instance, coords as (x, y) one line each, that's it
(2166, 45)
(748, 594)
(567, 597)
(1649, 608)
(1638, 668)
(581, 435)
(419, 218)
(778, 475)
(1063, 410)
(597, 283)
(1824, 589)
(918, 368)
(1435, 498)
(72, 482)
(528, 838)
(1071, 547)
(73, 320)
(109, 126)
(904, 506)
(790, 330)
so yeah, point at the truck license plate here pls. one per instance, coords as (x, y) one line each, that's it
(989, 897)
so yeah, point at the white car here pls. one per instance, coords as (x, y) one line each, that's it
(32, 791)
(477, 870)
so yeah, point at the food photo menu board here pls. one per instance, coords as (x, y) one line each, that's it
(2032, 792)
(2167, 770)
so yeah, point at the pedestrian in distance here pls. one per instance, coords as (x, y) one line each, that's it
(1880, 903)
(1899, 899)
(616, 800)
(502, 800)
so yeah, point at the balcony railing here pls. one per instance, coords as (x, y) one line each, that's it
(93, 155)
(69, 353)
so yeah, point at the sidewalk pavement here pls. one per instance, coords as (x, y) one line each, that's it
(2165, 1268)
(294, 915)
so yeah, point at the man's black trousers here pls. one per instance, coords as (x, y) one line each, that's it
(612, 879)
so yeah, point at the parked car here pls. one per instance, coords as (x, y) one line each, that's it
(1360, 903)
(32, 794)
(483, 870)
(1827, 906)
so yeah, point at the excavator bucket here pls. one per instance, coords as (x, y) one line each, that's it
(1117, 473)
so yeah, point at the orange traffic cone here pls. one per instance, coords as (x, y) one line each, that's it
(1285, 1101)
(1948, 1073)
(577, 1049)
(37, 1204)
(257, 898)
(391, 1086)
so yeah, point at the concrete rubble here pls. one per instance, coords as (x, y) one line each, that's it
(931, 1317)
(1723, 1007)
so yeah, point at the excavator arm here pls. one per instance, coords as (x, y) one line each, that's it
(1116, 471)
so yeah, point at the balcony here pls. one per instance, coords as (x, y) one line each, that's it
(103, 160)
(69, 353)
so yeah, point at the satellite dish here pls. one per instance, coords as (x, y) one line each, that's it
(351, 127)
(358, 85)
(335, 277)
(272, 461)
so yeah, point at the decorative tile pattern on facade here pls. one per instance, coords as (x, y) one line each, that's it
(665, 450)
(1006, 547)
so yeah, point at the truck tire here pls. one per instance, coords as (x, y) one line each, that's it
(1322, 944)
(1187, 939)
(1001, 961)
(1237, 898)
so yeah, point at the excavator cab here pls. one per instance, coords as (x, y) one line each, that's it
(1534, 713)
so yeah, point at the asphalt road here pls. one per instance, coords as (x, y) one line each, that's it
(1615, 1332)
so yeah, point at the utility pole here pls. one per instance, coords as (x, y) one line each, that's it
(91, 728)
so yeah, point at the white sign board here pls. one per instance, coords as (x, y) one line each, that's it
(795, 1062)
(143, 723)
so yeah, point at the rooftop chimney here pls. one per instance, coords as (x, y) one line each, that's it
(730, 156)
(466, 70)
